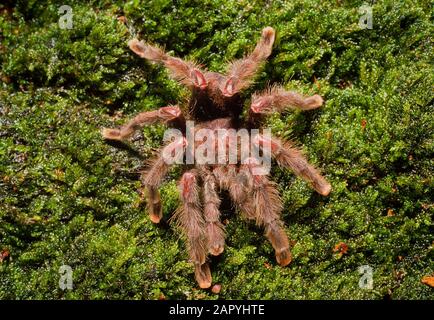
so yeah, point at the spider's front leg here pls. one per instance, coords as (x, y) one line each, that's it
(241, 72)
(168, 115)
(278, 99)
(186, 72)
(288, 156)
(189, 218)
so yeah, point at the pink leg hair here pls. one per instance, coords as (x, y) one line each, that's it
(241, 72)
(190, 220)
(214, 228)
(151, 180)
(278, 99)
(153, 177)
(287, 156)
(265, 208)
(186, 72)
(164, 115)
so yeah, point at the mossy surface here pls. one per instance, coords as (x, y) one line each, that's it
(67, 197)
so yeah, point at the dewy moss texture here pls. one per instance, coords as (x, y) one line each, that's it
(67, 197)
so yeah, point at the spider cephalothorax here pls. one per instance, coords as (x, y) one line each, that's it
(216, 104)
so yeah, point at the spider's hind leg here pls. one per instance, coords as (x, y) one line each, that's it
(264, 209)
(154, 206)
(190, 220)
(153, 177)
(151, 181)
(287, 156)
(214, 228)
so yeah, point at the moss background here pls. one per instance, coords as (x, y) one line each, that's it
(68, 197)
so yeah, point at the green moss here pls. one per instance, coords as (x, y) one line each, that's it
(68, 197)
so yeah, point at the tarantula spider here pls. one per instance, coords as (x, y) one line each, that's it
(216, 104)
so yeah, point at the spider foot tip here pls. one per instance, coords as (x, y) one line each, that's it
(268, 34)
(110, 134)
(216, 250)
(284, 258)
(203, 276)
(155, 219)
(317, 100)
(325, 190)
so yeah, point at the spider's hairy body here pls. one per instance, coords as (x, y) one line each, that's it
(216, 104)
